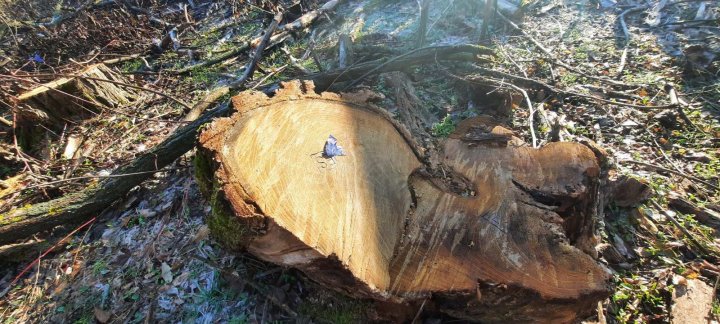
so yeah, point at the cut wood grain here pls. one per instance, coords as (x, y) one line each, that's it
(377, 222)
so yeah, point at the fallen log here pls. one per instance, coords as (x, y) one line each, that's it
(498, 231)
(80, 206)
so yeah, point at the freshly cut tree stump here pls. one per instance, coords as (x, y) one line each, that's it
(62, 102)
(496, 231)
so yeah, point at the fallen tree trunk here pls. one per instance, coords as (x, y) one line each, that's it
(23, 222)
(498, 231)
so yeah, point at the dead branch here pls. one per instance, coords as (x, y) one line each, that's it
(682, 228)
(218, 93)
(423, 23)
(357, 72)
(682, 174)
(554, 58)
(250, 68)
(548, 87)
(283, 33)
(705, 216)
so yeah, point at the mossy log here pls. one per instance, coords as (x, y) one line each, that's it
(62, 102)
(495, 231)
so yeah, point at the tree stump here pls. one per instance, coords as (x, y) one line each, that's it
(64, 101)
(495, 231)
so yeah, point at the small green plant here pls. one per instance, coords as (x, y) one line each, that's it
(341, 310)
(444, 128)
(84, 320)
(100, 267)
(132, 65)
(242, 319)
(715, 311)
(634, 293)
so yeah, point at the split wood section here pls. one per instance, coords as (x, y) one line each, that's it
(516, 244)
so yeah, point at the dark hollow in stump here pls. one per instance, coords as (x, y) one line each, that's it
(515, 244)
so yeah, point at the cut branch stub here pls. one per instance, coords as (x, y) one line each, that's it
(374, 223)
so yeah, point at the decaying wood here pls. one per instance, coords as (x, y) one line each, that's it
(60, 103)
(69, 97)
(517, 242)
(705, 216)
(411, 110)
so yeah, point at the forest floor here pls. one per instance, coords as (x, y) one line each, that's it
(647, 93)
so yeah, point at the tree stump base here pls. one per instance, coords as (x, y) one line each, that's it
(64, 101)
(495, 231)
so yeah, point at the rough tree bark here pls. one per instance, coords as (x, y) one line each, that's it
(411, 111)
(497, 231)
(63, 101)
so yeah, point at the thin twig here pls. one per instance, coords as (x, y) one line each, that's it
(422, 27)
(419, 311)
(50, 250)
(396, 58)
(251, 283)
(6, 122)
(250, 69)
(682, 228)
(682, 174)
(672, 93)
(556, 60)
(282, 34)
(623, 60)
(17, 147)
(219, 92)
(662, 151)
(553, 89)
(269, 75)
(186, 106)
(531, 118)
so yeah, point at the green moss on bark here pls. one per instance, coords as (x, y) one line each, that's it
(204, 174)
(224, 225)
